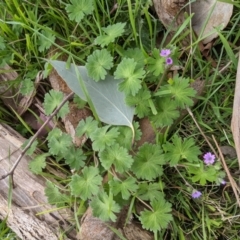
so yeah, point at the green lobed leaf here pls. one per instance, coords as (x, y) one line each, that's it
(97, 64)
(156, 63)
(202, 174)
(125, 136)
(166, 112)
(87, 184)
(44, 43)
(52, 100)
(78, 9)
(102, 138)
(117, 156)
(125, 187)
(159, 218)
(55, 197)
(110, 33)
(74, 157)
(109, 103)
(32, 148)
(148, 162)
(126, 69)
(58, 141)
(181, 149)
(27, 86)
(38, 163)
(180, 91)
(86, 126)
(137, 55)
(140, 101)
(150, 191)
(104, 207)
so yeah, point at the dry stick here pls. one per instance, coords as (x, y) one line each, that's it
(36, 135)
(201, 131)
(232, 181)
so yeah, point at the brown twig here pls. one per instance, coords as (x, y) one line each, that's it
(35, 136)
(233, 184)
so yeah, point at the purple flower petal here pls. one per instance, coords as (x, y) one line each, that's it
(209, 158)
(223, 182)
(169, 61)
(196, 194)
(165, 52)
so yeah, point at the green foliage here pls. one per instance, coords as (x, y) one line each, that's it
(32, 148)
(156, 63)
(148, 162)
(140, 101)
(74, 157)
(178, 150)
(180, 91)
(117, 156)
(27, 86)
(149, 174)
(110, 33)
(87, 184)
(45, 40)
(159, 218)
(38, 163)
(78, 9)
(166, 112)
(102, 137)
(58, 142)
(87, 126)
(97, 64)
(150, 191)
(104, 207)
(54, 196)
(126, 187)
(202, 173)
(2, 43)
(52, 100)
(132, 76)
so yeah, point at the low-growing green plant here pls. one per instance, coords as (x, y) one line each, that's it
(115, 93)
(114, 65)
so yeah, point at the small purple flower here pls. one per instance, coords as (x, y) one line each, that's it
(169, 61)
(223, 182)
(165, 52)
(196, 194)
(209, 158)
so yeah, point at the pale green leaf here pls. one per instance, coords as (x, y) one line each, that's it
(109, 103)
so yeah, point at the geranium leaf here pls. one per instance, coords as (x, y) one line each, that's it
(78, 9)
(97, 64)
(110, 33)
(87, 184)
(132, 76)
(109, 103)
(104, 207)
(117, 156)
(181, 149)
(159, 218)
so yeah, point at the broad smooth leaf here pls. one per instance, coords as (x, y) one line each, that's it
(108, 101)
